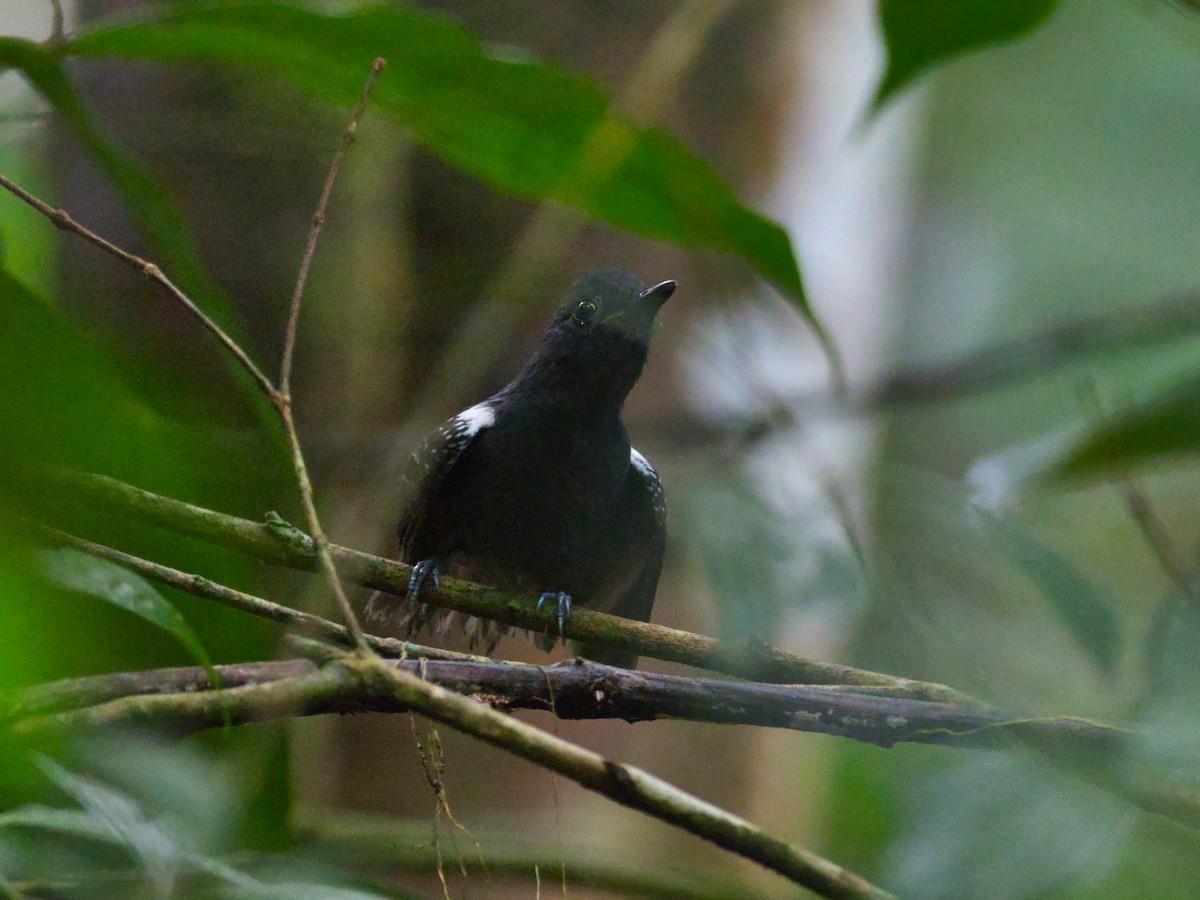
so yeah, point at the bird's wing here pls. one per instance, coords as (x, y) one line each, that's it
(647, 537)
(431, 464)
(649, 524)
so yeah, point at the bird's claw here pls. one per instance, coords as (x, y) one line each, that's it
(426, 569)
(563, 601)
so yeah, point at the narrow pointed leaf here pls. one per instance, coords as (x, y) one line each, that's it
(1166, 426)
(75, 571)
(532, 130)
(920, 34)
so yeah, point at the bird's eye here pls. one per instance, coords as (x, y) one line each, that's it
(584, 312)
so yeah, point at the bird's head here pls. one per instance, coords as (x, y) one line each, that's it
(608, 304)
(601, 331)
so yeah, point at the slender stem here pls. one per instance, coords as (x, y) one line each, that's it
(57, 22)
(319, 540)
(318, 221)
(64, 222)
(384, 846)
(283, 397)
(1157, 537)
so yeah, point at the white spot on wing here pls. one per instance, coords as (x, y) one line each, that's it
(642, 464)
(470, 422)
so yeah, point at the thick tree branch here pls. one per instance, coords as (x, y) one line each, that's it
(363, 683)
(279, 542)
(286, 545)
(991, 367)
(577, 689)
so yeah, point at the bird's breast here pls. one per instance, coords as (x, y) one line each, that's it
(543, 500)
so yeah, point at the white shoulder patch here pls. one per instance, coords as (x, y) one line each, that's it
(470, 422)
(653, 485)
(642, 464)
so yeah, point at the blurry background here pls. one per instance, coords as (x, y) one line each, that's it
(1049, 178)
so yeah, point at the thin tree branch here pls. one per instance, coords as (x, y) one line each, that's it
(256, 606)
(320, 543)
(1157, 537)
(283, 397)
(373, 681)
(288, 546)
(57, 23)
(1080, 748)
(1007, 361)
(576, 689)
(1162, 547)
(1170, 560)
(64, 222)
(318, 222)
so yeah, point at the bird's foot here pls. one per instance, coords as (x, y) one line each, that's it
(426, 570)
(563, 601)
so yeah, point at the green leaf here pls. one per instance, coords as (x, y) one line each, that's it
(532, 130)
(920, 34)
(1085, 606)
(1164, 426)
(73, 570)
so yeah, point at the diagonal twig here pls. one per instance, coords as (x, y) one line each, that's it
(306, 623)
(283, 396)
(318, 222)
(65, 222)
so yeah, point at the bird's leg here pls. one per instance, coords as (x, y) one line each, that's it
(563, 601)
(427, 569)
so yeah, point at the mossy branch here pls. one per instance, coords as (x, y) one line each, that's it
(184, 700)
(368, 682)
(288, 546)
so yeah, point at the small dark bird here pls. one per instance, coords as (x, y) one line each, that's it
(536, 489)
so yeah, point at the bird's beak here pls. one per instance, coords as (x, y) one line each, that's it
(660, 293)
